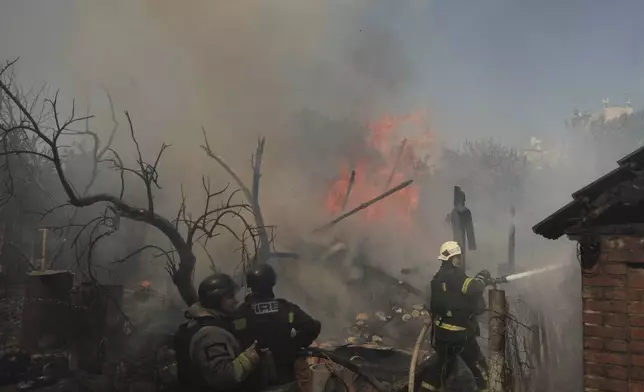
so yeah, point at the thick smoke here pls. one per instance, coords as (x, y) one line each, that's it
(239, 69)
(292, 71)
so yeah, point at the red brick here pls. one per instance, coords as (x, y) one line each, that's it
(627, 256)
(633, 242)
(605, 384)
(606, 306)
(635, 307)
(637, 373)
(635, 294)
(605, 358)
(619, 255)
(636, 278)
(636, 321)
(594, 343)
(609, 243)
(619, 294)
(615, 241)
(594, 318)
(636, 347)
(635, 386)
(593, 292)
(636, 333)
(615, 268)
(616, 345)
(607, 371)
(606, 332)
(637, 360)
(616, 320)
(618, 372)
(605, 281)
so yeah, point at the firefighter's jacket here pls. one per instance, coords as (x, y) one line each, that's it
(209, 357)
(277, 325)
(456, 301)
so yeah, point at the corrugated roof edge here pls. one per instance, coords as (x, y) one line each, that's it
(555, 225)
(549, 227)
(636, 157)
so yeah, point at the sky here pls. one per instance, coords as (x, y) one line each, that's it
(522, 66)
(503, 68)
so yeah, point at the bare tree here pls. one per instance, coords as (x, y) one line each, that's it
(45, 129)
(487, 165)
(264, 246)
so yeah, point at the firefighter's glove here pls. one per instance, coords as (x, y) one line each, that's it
(251, 354)
(485, 277)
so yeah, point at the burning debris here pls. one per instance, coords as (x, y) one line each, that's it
(400, 148)
(125, 338)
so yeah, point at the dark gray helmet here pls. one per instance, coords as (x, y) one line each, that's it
(261, 277)
(214, 288)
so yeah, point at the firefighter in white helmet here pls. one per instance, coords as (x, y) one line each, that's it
(455, 302)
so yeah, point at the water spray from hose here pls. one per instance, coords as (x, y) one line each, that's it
(527, 274)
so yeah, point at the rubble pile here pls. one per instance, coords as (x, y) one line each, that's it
(140, 359)
(396, 328)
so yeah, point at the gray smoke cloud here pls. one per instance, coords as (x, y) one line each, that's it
(292, 71)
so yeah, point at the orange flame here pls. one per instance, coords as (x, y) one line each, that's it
(397, 142)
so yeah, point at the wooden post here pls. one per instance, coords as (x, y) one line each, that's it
(43, 254)
(497, 330)
(512, 243)
(544, 353)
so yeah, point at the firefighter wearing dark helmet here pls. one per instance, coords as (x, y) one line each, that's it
(209, 358)
(456, 301)
(279, 326)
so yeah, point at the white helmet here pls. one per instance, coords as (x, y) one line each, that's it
(449, 249)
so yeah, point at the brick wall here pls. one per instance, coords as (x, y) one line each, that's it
(613, 314)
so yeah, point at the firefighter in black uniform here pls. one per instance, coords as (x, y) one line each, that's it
(456, 301)
(209, 357)
(280, 327)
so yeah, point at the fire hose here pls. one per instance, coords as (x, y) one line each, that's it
(492, 282)
(414, 357)
(378, 386)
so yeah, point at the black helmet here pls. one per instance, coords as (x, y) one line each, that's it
(214, 288)
(261, 277)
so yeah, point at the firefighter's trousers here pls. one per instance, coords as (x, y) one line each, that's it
(442, 364)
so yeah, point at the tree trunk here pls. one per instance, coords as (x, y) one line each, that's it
(183, 277)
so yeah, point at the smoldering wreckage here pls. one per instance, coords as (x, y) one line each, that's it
(113, 350)
(97, 337)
